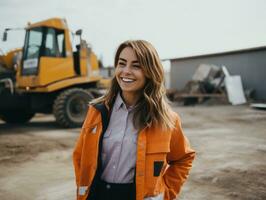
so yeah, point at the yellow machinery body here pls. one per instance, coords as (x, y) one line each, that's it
(49, 76)
(57, 68)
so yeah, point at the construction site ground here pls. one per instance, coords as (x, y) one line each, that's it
(36, 162)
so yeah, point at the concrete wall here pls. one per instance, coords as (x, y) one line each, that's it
(250, 65)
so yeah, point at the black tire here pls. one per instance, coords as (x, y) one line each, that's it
(16, 117)
(70, 107)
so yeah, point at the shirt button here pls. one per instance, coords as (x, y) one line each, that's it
(108, 186)
(114, 167)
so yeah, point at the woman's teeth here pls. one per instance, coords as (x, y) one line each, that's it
(127, 80)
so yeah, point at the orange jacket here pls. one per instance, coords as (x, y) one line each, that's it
(164, 158)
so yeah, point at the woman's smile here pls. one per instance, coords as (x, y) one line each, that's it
(127, 80)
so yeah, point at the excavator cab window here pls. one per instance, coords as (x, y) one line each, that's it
(33, 43)
(54, 43)
(61, 43)
(41, 41)
(32, 50)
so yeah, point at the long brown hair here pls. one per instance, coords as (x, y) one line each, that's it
(152, 108)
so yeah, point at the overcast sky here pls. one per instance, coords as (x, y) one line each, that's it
(176, 28)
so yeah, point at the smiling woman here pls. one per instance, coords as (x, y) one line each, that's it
(130, 76)
(132, 145)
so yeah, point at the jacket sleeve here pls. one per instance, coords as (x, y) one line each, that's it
(77, 156)
(180, 160)
(78, 151)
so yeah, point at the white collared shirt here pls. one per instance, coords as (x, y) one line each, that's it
(119, 145)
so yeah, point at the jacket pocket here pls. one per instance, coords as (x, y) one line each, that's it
(155, 164)
(156, 158)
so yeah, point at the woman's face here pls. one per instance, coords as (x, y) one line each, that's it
(129, 74)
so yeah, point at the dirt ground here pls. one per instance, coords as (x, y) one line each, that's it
(35, 158)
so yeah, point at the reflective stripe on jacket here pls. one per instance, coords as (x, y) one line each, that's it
(164, 158)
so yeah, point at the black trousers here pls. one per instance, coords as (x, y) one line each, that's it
(113, 191)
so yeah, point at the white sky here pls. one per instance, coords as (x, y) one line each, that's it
(176, 28)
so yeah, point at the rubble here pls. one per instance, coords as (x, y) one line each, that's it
(210, 82)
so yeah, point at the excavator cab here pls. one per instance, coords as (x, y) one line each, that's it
(41, 42)
(48, 56)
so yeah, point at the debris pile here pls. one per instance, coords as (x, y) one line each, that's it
(210, 82)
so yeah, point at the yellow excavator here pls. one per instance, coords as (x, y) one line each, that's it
(48, 76)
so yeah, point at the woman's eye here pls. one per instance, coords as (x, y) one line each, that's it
(136, 66)
(121, 64)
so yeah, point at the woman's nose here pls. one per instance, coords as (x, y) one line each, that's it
(127, 69)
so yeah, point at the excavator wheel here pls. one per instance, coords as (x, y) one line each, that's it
(70, 107)
(16, 117)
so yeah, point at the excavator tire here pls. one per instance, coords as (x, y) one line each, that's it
(70, 107)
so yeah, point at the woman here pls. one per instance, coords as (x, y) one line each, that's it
(131, 145)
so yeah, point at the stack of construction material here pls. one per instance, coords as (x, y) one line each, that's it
(208, 82)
